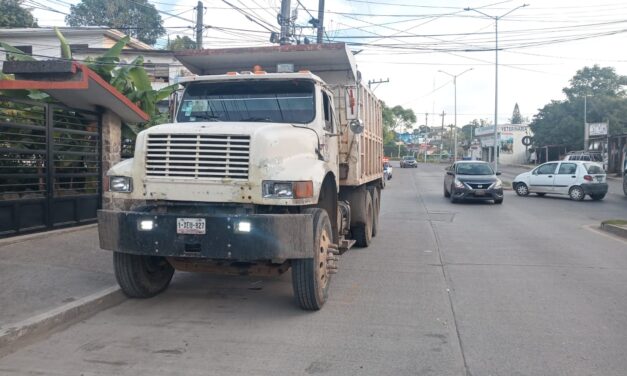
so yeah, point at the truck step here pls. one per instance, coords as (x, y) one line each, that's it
(346, 244)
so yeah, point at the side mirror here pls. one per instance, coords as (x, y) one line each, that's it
(498, 173)
(356, 126)
(450, 173)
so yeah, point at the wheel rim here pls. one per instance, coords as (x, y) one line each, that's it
(576, 193)
(521, 189)
(323, 254)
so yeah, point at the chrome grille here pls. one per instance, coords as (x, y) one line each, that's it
(197, 156)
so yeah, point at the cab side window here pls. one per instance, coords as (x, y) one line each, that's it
(328, 117)
(547, 169)
(567, 169)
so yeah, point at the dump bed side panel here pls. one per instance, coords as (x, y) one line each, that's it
(360, 155)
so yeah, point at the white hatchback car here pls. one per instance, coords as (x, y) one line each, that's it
(574, 178)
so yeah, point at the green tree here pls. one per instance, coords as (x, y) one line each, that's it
(596, 81)
(562, 122)
(397, 119)
(137, 18)
(13, 15)
(516, 117)
(185, 43)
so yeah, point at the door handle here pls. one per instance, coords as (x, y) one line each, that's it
(550, 176)
(573, 176)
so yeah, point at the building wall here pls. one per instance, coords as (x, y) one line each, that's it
(512, 150)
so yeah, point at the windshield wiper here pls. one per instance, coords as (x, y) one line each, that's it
(256, 119)
(208, 116)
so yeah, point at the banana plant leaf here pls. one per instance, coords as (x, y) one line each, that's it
(66, 51)
(15, 54)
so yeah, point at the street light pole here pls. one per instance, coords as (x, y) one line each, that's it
(455, 91)
(496, 73)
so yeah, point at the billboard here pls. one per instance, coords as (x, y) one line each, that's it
(597, 129)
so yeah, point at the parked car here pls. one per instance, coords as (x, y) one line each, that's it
(472, 180)
(408, 161)
(387, 170)
(574, 178)
(587, 156)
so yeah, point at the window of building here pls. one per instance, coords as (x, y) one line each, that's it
(157, 72)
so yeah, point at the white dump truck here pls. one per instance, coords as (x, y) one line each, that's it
(273, 162)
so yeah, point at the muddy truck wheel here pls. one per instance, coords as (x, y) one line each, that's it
(362, 232)
(375, 195)
(141, 276)
(310, 277)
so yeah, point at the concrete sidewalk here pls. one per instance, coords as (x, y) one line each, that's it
(49, 279)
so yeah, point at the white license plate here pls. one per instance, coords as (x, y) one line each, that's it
(599, 178)
(190, 226)
(480, 192)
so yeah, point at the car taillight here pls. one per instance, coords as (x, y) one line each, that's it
(587, 178)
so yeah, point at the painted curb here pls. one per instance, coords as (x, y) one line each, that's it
(23, 333)
(616, 230)
(45, 234)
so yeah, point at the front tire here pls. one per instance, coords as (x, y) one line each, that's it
(310, 277)
(576, 193)
(522, 189)
(446, 193)
(452, 195)
(142, 276)
(498, 201)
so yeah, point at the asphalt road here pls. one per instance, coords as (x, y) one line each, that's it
(523, 288)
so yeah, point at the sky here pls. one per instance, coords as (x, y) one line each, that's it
(411, 43)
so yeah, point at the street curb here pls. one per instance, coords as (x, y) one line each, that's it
(616, 230)
(45, 234)
(23, 333)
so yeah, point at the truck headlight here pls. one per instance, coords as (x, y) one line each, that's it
(287, 189)
(120, 184)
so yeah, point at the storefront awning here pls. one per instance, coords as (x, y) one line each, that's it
(72, 84)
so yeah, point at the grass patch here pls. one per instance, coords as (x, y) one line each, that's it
(615, 222)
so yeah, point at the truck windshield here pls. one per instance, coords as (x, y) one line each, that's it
(260, 100)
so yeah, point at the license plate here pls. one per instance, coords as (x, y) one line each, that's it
(190, 226)
(599, 178)
(480, 192)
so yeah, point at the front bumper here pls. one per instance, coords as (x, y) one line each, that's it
(477, 194)
(595, 189)
(276, 237)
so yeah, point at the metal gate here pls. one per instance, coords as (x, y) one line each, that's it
(50, 166)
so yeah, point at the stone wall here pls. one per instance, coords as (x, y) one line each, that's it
(111, 150)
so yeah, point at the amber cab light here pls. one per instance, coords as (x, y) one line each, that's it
(303, 189)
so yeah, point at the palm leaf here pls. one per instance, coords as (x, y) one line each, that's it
(66, 51)
(15, 54)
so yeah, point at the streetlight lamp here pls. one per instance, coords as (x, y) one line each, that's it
(455, 89)
(496, 75)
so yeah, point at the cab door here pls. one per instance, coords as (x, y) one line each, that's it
(565, 178)
(331, 143)
(542, 178)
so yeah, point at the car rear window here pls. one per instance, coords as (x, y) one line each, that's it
(593, 168)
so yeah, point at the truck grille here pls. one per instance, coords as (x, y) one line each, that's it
(197, 156)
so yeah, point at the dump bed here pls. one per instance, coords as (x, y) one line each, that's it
(360, 155)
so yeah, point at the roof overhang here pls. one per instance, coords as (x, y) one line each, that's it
(313, 57)
(72, 84)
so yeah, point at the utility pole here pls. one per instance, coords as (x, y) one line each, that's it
(442, 135)
(455, 89)
(496, 76)
(199, 25)
(586, 137)
(285, 22)
(370, 82)
(320, 21)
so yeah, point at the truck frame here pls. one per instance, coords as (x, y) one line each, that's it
(274, 162)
